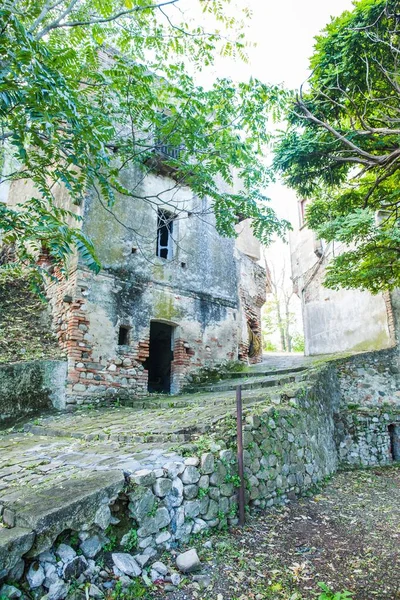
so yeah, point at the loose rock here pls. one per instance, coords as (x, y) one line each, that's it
(126, 563)
(35, 575)
(187, 562)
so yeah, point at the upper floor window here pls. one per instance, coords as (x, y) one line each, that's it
(165, 231)
(302, 212)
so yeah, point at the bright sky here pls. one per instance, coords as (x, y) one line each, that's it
(284, 32)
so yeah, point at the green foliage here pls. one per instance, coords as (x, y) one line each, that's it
(76, 114)
(268, 346)
(328, 594)
(341, 147)
(136, 589)
(298, 342)
(202, 492)
(112, 539)
(23, 319)
(131, 541)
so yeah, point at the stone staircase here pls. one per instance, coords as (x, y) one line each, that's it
(60, 467)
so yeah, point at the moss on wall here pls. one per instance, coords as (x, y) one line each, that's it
(25, 324)
(164, 307)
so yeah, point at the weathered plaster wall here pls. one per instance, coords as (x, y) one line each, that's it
(205, 332)
(196, 292)
(335, 321)
(27, 387)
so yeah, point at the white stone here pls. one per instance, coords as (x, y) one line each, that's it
(91, 547)
(175, 578)
(174, 469)
(51, 573)
(155, 575)
(142, 559)
(47, 557)
(65, 552)
(35, 576)
(95, 592)
(144, 477)
(103, 516)
(161, 487)
(199, 525)
(163, 537)
(187, 562)
(160, 567)
(192, 461)
(126, 564)
(58, 590)
(10, 591)
(190, 475)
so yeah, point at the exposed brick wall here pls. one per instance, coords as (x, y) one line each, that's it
(118, 370)
(89, 378)
(252, 299)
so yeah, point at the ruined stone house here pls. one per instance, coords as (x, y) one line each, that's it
(336, 321)
(173, 296)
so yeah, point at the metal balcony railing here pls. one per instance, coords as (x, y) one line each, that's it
(168, 150)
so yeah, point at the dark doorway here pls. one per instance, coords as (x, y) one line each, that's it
(160, 357)
(394, 441)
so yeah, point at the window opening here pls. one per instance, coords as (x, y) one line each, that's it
(165, 228)
(394, 441)
(123, 336)
(302, 212)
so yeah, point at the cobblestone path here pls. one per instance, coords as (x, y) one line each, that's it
(57, 448)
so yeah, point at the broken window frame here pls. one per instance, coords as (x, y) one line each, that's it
(302, 212)
(165, 225)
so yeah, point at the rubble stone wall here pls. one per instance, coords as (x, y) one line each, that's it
(364, 439)
(369, 405)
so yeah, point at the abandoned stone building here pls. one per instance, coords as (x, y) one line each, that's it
(336, 321)
(172, 296)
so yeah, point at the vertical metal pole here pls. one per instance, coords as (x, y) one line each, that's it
(239, 417)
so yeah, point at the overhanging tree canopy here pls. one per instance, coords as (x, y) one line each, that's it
(342, 146)
(84, 86)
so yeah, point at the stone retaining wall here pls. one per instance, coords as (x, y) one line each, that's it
(27, 387)
(370, 379)
(365, 438)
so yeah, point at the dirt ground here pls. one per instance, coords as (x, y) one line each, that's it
(345, 535)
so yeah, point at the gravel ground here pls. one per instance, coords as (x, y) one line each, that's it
(345, 535)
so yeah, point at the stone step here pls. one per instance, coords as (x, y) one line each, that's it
(261, 370)
(252, 382)
(68, 504)
(123, 436)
